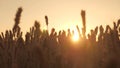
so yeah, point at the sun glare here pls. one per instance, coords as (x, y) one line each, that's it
(75, 37)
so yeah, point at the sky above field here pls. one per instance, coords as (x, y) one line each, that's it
(62, 14)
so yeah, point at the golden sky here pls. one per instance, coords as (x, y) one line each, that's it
(62, 14)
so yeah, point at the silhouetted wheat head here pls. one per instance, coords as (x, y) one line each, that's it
(16, 27)
(46, 19)
(83, 22)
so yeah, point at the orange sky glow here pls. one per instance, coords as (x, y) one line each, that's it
(62, 14)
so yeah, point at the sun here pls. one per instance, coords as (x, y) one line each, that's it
(75, 36)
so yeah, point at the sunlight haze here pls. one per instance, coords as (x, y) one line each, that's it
(62, 14)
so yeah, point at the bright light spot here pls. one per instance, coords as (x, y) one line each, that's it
(75, 37)
(44, 28)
